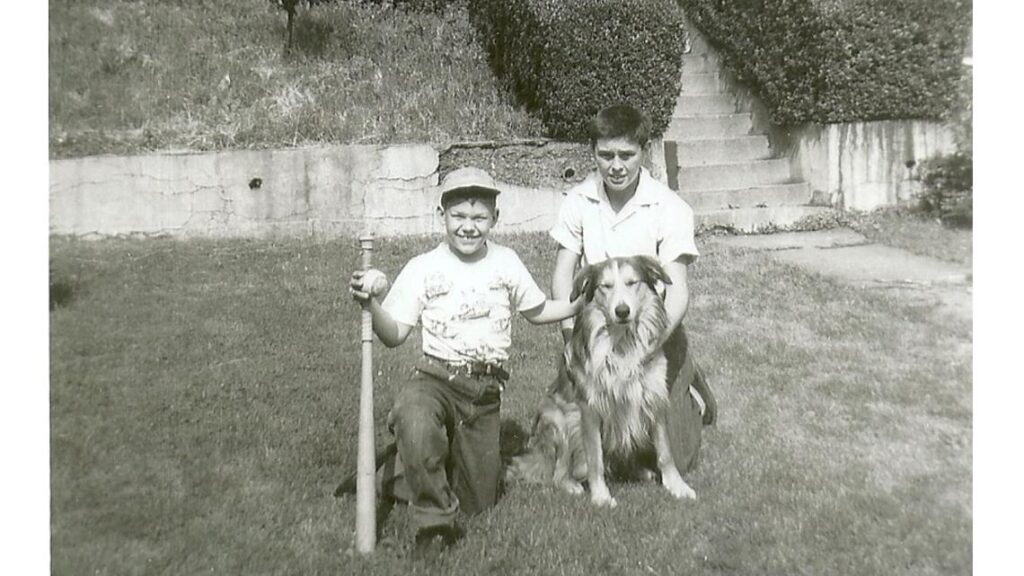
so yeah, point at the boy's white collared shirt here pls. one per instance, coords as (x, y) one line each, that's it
(655, 222)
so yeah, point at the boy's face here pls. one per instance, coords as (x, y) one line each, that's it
(618, 161)
(466, 224)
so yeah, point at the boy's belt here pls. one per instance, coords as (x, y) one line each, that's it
(472, 369)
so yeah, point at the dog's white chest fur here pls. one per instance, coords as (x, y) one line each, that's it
(626, 395)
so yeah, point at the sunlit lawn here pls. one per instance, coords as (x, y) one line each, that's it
(204, 406)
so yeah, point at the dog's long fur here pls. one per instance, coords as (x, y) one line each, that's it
(611, 395)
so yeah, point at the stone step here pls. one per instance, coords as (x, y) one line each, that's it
(700, 63)
(704, 105)
(721, 151)
(734, 175)
(703, 83)
(723, 171)
(755, 219)
(794, 194)
(686, 128)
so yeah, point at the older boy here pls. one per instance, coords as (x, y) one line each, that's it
(446, 419)
(623, 211)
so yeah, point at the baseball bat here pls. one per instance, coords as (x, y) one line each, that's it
(366, 497)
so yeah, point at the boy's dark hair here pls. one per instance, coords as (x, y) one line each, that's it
(620, 121)
(483, 195)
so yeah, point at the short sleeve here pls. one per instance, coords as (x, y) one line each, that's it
(568, 229)
(404, 301)
(676, 233)
(525, 294)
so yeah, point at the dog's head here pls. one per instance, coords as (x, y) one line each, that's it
(620, 285)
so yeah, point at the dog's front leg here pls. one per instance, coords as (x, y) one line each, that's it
(591, 427)
(670, 477)
(563, 477)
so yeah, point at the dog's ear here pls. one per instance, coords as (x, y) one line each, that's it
(652, 271)
(583, 284)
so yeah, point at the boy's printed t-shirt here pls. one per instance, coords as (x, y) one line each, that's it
(465, 308)
(655, 222)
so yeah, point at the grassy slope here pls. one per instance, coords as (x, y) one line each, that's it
(131, 76)
(204, 402)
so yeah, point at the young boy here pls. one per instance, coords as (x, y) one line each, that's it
(624, 211)
(446, 419)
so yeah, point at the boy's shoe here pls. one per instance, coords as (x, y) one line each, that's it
(431, 542)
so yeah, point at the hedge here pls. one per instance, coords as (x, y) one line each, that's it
(841, 60)
(566, 59)
(948, 188)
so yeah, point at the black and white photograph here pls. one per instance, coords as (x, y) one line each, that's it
(554, 287)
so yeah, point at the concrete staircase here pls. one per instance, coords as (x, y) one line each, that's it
(716, 162)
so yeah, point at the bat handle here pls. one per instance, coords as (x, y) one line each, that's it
(366, 497)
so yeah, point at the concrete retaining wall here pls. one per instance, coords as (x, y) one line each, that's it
(392, 190)
(331, 191)
(855, 165)
(866, 165)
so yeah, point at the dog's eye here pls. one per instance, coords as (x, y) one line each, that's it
(632, 283)
(607, 285)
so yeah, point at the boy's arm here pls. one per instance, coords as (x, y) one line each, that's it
(561, 282)
(388, 330)
(677, 296)
(553, 311)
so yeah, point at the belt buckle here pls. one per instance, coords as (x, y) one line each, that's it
(463, 368)
(473, 368)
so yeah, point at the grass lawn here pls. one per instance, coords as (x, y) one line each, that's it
(915, 231)
(204, 405)
(134, 76)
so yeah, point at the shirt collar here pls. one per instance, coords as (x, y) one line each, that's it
(644, 196)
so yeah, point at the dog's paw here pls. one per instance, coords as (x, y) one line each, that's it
(678, 487)
(572, 487)
(602, 497)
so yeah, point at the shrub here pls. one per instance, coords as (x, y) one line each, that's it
(566, 59)
(948, 188)
(842, 60)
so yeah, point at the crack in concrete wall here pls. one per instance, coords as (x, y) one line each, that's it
(332, 191)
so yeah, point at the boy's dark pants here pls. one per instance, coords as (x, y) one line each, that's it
(447, 428)
(684, 417)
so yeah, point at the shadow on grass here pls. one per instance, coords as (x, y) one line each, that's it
(64, 289)
(314, 37)
(513, 440)
(62, 292)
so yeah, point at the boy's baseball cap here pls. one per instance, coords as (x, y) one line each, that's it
(466, 179)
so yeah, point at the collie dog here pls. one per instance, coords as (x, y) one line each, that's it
(611, 396)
